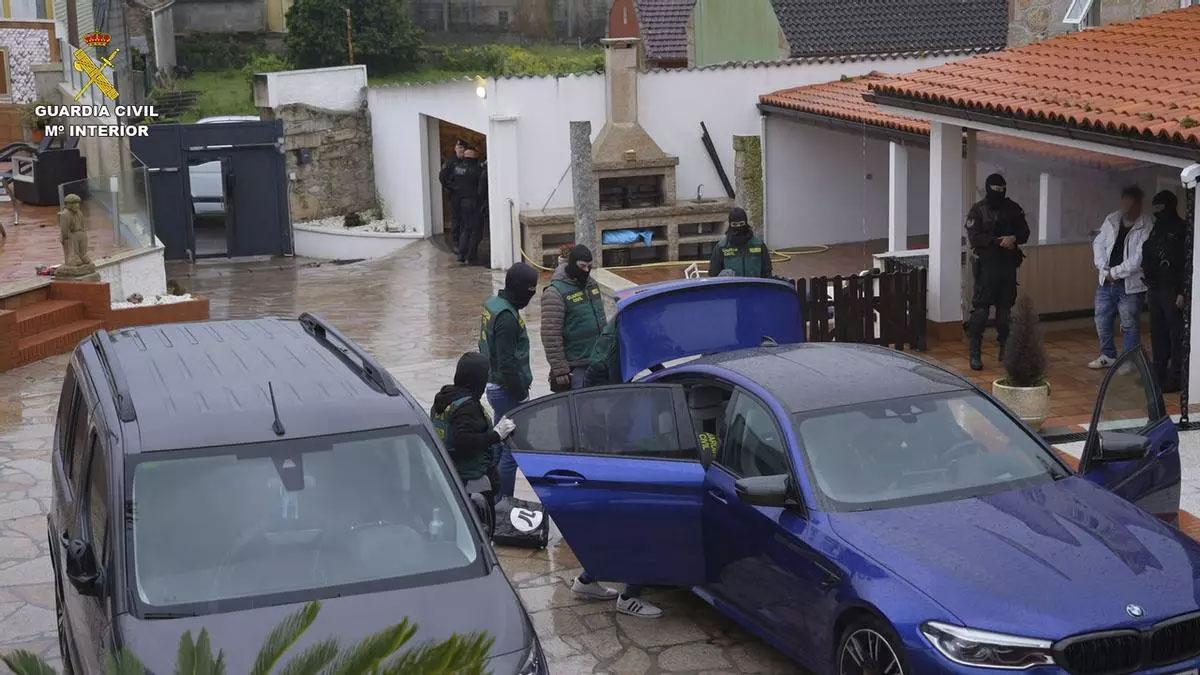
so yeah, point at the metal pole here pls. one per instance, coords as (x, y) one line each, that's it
(1190, 177)
(349, 37)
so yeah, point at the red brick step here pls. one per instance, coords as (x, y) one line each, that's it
(44, 315)
(57, 340)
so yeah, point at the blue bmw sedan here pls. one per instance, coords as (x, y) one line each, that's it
(863, 510)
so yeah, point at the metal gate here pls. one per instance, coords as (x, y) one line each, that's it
(252, 180)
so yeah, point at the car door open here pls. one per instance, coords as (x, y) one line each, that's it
(1132, 446)
(619, 471)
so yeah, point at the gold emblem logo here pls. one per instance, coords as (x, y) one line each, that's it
(88, 66)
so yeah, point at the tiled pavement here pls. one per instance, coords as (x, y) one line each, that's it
(417, 312)
(36, 240)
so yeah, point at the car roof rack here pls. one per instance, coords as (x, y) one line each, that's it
(115, 376)
(368, 368)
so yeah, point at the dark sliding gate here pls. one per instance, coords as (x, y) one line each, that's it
(251, 182)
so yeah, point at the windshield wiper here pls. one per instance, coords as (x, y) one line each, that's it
(168, 615)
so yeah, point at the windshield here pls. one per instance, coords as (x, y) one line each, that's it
(223, 528)
(919, 450)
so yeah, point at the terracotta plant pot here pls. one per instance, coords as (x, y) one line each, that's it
(39, 134)
(1031, 404)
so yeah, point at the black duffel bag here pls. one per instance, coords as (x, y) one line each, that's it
(521, 523)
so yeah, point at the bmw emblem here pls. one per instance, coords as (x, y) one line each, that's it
(1134, 610)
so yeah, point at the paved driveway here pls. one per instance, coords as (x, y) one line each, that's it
(417, 312)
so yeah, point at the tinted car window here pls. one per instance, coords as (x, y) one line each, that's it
(544, 427)
(1127, 403)
(224, 527)
(754, 446)
(97, 498)
(630, 422)
(79, 441)
(68, 401)
(918, 450)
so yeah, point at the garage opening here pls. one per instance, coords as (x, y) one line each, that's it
(444, 136)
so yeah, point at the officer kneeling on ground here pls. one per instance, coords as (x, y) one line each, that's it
(465, 429)
(739, 251)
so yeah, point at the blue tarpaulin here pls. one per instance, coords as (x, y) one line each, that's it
(627, 237)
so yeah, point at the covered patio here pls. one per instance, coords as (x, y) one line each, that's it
(1128, 90)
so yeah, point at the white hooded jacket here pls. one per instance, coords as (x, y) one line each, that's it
(1130, 268)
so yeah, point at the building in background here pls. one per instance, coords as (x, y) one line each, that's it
(563, 20)
(1036, 20)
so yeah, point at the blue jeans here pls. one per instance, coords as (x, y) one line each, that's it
(501, 402)
(1111, 300)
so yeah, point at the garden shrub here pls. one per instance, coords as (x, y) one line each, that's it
(384, 36)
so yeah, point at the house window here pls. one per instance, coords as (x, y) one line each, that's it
(1083, 14)
(502, 18)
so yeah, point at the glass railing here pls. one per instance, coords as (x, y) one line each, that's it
(119, 202)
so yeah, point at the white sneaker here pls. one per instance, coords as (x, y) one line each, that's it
(592, 591)
(1101, 362)
(638, 607)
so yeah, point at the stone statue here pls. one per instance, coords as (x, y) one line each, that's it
(76, 262)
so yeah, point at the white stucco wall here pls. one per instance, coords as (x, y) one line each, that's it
(142, 271)
(338, 88)
(671, 106)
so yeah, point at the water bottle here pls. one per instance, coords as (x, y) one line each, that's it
(435, 524)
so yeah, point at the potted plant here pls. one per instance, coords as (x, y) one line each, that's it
(1024, 389)
(30, 119)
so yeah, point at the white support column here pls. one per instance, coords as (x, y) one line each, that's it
(897, 197)
(503, 199)
(970, 179)
(945, 222)
(1049, 208)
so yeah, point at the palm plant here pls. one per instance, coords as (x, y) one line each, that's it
(378, 654)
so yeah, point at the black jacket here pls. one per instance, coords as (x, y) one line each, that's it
(987, 223)
(470, 429)
(463, 177)
(1163, 254)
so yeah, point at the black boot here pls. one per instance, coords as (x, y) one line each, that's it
(976, 361)
(1003, 350)
(976, 352)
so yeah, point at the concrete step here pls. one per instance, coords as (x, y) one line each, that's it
(47, 314)
(57, 340)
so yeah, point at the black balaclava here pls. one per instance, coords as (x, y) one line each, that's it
(996, 189)
(520, 284)
(1166, 207)
(739, 226)
(472, 373)
(577, 254)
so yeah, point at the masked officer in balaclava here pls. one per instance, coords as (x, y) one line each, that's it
(739, 250)
(502, 338)
(1163, 259)
(996, 229)
(572, 318)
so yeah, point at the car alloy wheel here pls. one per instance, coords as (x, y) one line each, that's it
(867, 652)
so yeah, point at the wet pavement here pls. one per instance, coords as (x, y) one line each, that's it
(417, 312)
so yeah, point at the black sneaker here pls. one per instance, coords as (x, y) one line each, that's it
(976, 362)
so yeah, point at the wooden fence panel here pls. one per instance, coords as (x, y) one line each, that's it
(856, 308)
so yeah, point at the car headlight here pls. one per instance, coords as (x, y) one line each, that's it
(971, 647)
(534, 662)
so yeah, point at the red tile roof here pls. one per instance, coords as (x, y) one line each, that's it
(843, 100)
(1139, 78)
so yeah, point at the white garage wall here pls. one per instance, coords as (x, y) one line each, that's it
(671, 106)
(337, 88)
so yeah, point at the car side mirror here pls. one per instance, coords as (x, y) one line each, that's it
(81, 566)
(765, 490)
(1119, 447)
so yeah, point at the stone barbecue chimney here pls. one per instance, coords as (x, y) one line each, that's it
(631, 169)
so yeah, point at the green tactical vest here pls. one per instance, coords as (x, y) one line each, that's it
(583, 318)
(492, 308)
(468, 470)
(746, 260)
(605, 366)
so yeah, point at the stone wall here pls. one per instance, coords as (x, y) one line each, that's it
(337, 176)
(1036, 20)
(748, 178)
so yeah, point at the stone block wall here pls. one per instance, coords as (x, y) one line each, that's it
(338, 176)
(1036, 20)
(748, 178)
